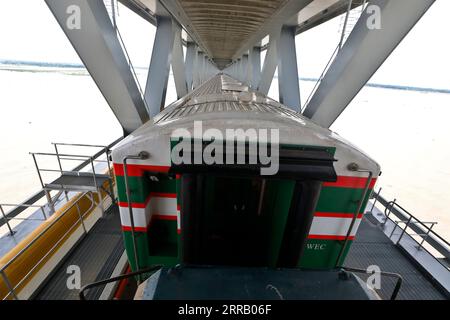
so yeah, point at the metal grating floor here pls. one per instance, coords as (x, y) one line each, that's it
(82, 182)
(96, 255)
(372, 247)
(99, 252)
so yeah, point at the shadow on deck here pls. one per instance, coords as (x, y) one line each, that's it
(97, 255)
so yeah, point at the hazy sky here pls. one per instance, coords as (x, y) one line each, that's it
(28, 31)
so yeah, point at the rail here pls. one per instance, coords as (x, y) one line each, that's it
(93, 158)
(40, 194)
(62, 183)
(82, 296)
(30, 203)
(141, 156)
(398, 284)
(80, 222)
(419, 228)
(354, 167)
(7, 219)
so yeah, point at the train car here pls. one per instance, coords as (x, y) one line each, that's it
(224, 203)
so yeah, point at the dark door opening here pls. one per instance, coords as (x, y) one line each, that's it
(233, 229)
(231, 215)
(237, 221)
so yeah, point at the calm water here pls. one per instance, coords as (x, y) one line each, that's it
(406, 132)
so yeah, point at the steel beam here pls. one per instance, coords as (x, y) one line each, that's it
(197, 70)
(178, 67)
(287, 13)
(238, 69)
(204, 69)
(270, 65)
(201, 68)
(208, 69)
(96, 43)
(255, 61)
(288, 84)
(158, 72)
(362, 54)
(190, 63)
(244, 68)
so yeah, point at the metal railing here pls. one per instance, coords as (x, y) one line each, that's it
(80, 222)
(398, 283)
(92, 158)
(43, 193)
(8, 219)
(419, 228)
(354, 167)
(30, 202)
(138, 273)
(86, 159)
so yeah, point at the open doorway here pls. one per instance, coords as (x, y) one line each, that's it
(238, 221)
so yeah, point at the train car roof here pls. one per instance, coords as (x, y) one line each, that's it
(224, 103)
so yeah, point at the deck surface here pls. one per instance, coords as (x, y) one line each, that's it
(373, 247)
(97, 255)
(101, 249)
(238, 283)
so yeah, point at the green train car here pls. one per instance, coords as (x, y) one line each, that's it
(216, 213)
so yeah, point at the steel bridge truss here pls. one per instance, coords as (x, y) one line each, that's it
(99, 45)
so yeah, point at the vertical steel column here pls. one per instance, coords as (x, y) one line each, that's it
(270, 65)
(158, 72)
(179, 73)
(255, 59)
(208, 69)
(200, 65)
(288, 84)
(238, 69)
(197, 71)
(233, 68)
(205, 69)
(244, 70)
(190, 62)
(365, 50)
